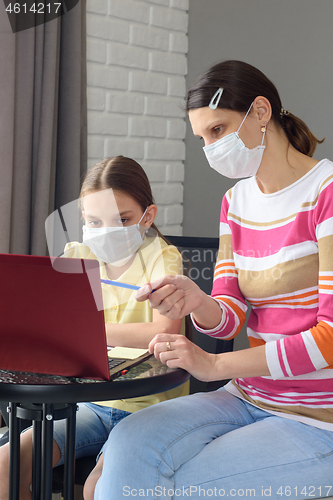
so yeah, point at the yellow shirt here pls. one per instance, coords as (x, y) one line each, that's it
(153, 260)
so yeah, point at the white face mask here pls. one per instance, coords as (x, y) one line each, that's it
(230, 157)
(114, 245)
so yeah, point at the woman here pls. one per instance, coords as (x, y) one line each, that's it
(118, 210)
(268, 432)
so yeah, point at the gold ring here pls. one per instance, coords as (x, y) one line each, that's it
(168, 346)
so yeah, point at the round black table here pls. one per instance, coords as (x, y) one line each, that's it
(45, 398)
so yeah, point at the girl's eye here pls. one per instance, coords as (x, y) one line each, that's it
(94, 223)
(120, 222)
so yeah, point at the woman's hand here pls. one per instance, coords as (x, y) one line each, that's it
(173, 296)
(176, 351)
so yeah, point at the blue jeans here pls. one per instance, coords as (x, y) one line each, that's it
(93, 426)
(215, 445)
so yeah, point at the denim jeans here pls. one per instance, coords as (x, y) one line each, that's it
(215, 445)
(93, 426)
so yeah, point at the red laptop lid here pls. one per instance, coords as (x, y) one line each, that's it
(49, 321)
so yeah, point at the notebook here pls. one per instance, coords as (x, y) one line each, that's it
(49, 320)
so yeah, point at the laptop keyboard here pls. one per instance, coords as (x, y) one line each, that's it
(115, 362)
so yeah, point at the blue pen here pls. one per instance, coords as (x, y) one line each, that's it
(120, 284)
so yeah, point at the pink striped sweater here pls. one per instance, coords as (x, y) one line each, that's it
(276, 253)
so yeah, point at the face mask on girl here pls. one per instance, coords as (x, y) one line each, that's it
(230, 157)
(114, 245)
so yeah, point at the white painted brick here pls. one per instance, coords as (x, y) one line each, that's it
(174, 20)
(148, 83)
(174, 214)
(159, 220)
(96, 50)
(136, 68)
(125, 103)
(95, 99)
(147, 127)
(180, 4)
(92, 162)
(152, 38)
(123, 55)
(175, 172)
(178, 43)
(164, 150)
(95, 146)
(176, 129)
(100, 7)
(159, 2)
(171, 230)
(155, 171)
(176, 86)
(108, 78)
(102, 27)
(102, 123)
(167, 194)
(164, 107)
(132, 148)
(168, 63)
(131, 10)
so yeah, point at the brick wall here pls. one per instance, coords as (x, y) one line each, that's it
(136, 64)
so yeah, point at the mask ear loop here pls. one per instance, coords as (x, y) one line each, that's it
(214, 102)
(248, 111)
(138, 224)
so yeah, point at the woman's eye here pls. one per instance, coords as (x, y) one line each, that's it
(217, 130)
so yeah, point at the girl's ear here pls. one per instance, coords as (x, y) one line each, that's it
(83, 215)
(150, 215)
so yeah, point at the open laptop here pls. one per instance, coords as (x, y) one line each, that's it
(49, 320)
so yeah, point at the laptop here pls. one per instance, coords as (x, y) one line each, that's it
(51, 321)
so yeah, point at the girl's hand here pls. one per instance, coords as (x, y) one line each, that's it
(176, 351)
(173, 296)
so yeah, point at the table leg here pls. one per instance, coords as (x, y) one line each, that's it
(69, 468)
(36, 459)
(47, 451)
(14, 454)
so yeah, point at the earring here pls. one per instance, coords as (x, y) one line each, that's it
(263, 128)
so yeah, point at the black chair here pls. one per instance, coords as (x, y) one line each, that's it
(199, 257)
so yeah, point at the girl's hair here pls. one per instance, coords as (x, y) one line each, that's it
(120, 174)
(241, 84)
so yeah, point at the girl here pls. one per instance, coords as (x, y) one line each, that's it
(268, 432)
(118, 211)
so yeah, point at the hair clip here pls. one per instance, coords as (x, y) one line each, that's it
(284, 112)
(216, 99)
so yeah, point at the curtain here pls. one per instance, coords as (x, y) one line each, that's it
(43, 125)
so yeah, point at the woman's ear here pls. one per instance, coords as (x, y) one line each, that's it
(150, 215)
(263, 109)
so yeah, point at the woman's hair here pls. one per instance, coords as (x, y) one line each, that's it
(241, 84)
(120, 174)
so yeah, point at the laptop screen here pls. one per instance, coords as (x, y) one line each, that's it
(50, 322)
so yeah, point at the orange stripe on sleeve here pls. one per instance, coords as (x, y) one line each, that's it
(256, 342)
(323, 336)
(239, 313)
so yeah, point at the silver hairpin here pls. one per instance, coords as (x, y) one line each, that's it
(216, 98)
